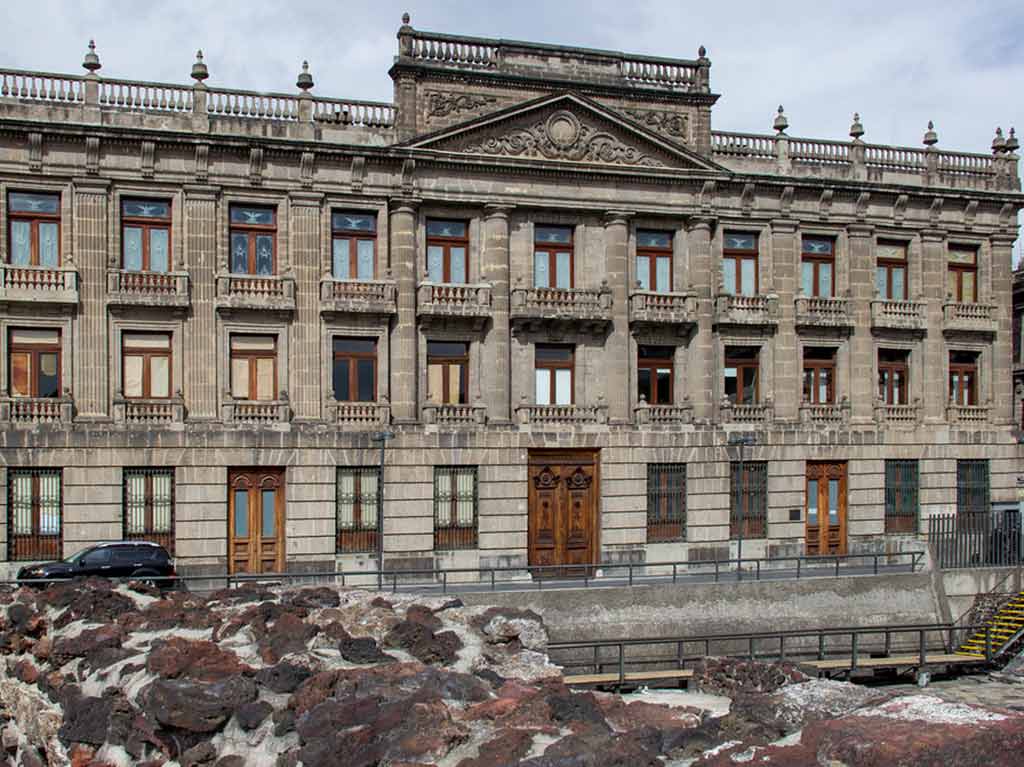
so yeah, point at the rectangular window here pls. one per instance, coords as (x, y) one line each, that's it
(654, 374)
(254, 367)
(748, 507)
(654, 261)
(553, 257)
(817, 267)
(149, 506)
(447, 372)
(33, 229)
(354, 245)
(253, 240)
(819, 376)
(893, 376)
(972, 487)
(455, 507)
(145, 236)
(34, 362)
(742, 386)
(666, 502)
(34, 510)
(447, 251)
(962, 274)
(963, 378)
(146, 365)
(358, 504)
(553, 374)
(354, 374)
(901, 496)
(891, 271)
(739, 264)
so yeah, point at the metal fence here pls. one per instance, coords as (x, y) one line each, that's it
(976, 539)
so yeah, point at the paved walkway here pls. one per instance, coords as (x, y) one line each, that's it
(981, 689)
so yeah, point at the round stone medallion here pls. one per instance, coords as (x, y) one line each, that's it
(563, 129)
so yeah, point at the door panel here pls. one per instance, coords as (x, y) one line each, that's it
(256, 541)
(825, 509)
(563, 510)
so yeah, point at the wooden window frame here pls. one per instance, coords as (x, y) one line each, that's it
(35, 350)
(755, 525)
(666, 502)
(148, 533)
(653, 364)
(959, 270)
(902, 489)
(741, 363)
(889, 264)
(652, 253)
(817, 367)
(252, 231)
(551, 250)
(446, 244)
(38, 545)
(147, 353)
(454, 536)
(34, 219)
(359, 538)
(355, 236)
(891, 367)
(553, 365)
(817, 260)
(353, 372)
(447, 360)
(960, 370)
(251, 356)
(739, 255)
(147, 224)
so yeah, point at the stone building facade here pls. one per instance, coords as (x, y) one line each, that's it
(539, 269)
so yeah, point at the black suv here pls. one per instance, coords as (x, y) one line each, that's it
(123, 559)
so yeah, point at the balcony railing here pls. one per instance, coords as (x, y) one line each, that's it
(537, 306)
(36, 410)
(760, 311)
(650, 308)
(760, 412)
(907, 416)
(366, 415)
(825, 414)
(970, 415)
(236, 291)
(444, 301)
(969, 318)
(898, 315)
(129, 288)
(455, 415)
(812, 312)
(38, 285)
(358, 296)
(662, 415)
(562, 416)
(149, 412)
(257, 413)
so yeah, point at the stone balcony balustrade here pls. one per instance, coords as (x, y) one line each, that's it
(455, 415)
(760, 412)
(967, 415)
(243, 291)
(149, 412)
(37, 410)
(969, 318)
(651, 309)
(561, 417)
(444, 303)
(583, 308)
(162, 289)
(829, 414)
(747, 311)
(898, 315)
(814, 312)
(256, 412)
(651, 416)
(900, 416)
(377, 297)
(38, 285)
(358, 415)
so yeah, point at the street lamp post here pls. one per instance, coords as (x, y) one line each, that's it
(382, 437)
(740, 440)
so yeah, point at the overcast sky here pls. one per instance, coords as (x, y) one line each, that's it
(899, 63)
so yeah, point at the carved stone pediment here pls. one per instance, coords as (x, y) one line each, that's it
(565, 128)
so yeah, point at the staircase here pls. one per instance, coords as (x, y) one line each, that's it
(1003, 626)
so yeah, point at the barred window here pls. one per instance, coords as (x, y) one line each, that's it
(149, 506)
(748, 500)
(358, 504)
(901, 496)
(455, 507)
(34, 506)
(666, 502)
(972, 487)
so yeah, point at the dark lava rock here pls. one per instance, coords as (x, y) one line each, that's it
(289, 634)
(505, 750)
(243, 594)
(363, 650)
(200, 660)
(195, 706)
(423, 644)
(200, 754)
(733, 676)
(283, 678)
(251, 715)
(176, 610)
(94, 599)
(421, 614)
(22, 619)
(86, 720)
(231, 760)
(284, 722)
(576, 707)
(314, 598)
(86, 643)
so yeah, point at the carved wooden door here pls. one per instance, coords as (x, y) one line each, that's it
(256, 541)
(563, 497)
(825, 510)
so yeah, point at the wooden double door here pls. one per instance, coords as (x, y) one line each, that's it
(563, 503)
(256, 542)
(825, 510)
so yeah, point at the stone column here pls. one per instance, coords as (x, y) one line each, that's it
(616, 348)
(788, 382)
(934, 357)
(700, 382)
(304, 348)
(496, 347)
(91, 365)
(201, 352)
(1001, 296)
(862, 343)
(404, 368)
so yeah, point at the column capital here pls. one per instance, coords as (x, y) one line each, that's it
(1003, 239)
(933, 235)
(860, 231)
(306, 199)
(91, 185)
(697, 223)
(201, 192)
(621, 217)
(498, 210)
(404, 205)
(784, 226)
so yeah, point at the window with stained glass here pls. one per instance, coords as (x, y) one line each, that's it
(145, 235)
(817, 267)
(447, 372)
(254, 367)
(901, 496)
(253, 240)
(146, 365)
(149, 506)
(355, 369)
(739, 264)
(358, 504)
(654, 261)
(33, 229)
(455, 507)
(34, 362)
(553, 374)
(552, 257)
(354, 245)
(447, 251)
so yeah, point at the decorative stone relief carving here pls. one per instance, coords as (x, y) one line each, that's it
(358, 173)
(35, 151)
(445, 104)
(863, 200)
(670, 123)
(306, 163)
(825, 203)
(707, 195)
(92, 155)
(899, 208)
(147, 158)
(971, 212)
(256, 166)
(202, 162)
(747, 198)
(935, 211)
(786, 200)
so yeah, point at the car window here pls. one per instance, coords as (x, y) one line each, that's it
(96, 557)
(127, 555)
